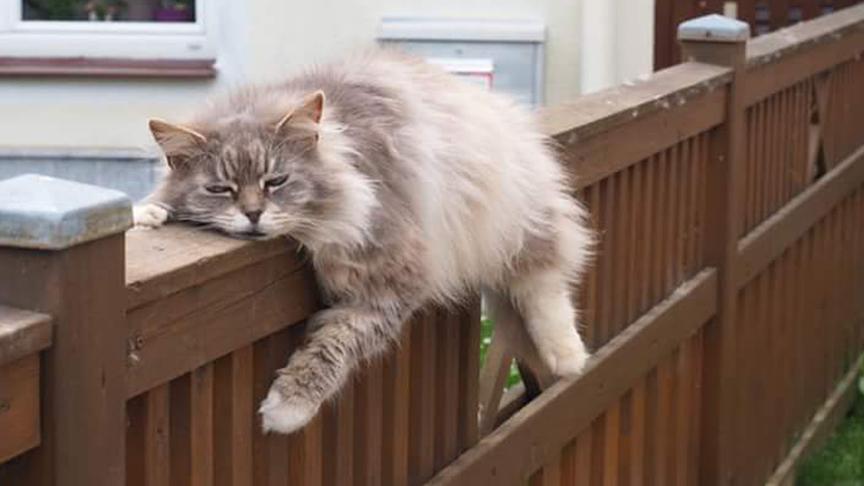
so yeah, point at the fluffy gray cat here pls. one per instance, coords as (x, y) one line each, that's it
(406, 185)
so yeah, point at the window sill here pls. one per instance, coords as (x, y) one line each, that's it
(105, 68)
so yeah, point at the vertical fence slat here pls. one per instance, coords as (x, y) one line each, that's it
(638, 437)
(368, 425)
(447, 384)
(201, 402)
(422, 410)
(469, 366)
(611, 443)
(397, 375)
(181, 428)
(157, 455)
(233, 414)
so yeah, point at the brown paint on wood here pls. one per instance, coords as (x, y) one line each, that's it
(201, 428)
(19, 406)
(421, 433)
(233, 418)
(447, 387)
(498, 457)
(83, 406)
(22, 333)
(197, 335)
(397, 376)
(180, 433)
(157, 436)
(469, 366)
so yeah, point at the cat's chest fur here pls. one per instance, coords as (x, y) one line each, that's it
(378, 277)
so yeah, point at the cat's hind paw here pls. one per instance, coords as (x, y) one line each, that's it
(149, 216)
(285, 414)
(566, 358)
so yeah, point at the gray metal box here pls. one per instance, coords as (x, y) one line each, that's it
(514, 48)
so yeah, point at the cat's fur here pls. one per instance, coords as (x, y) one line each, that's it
(406, 185)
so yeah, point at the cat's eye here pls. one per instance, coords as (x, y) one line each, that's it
(275, 182)
(218, 189)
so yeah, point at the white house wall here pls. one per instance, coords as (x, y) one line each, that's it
(269, 39)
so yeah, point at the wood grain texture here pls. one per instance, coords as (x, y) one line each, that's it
(19, 406)
(22, 333)
(558, 415)
(83, 395)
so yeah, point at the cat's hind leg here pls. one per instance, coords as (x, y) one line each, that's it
(341, 337)
(543, 298)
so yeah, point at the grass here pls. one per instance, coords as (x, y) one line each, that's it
(841, 462)
(486, 328)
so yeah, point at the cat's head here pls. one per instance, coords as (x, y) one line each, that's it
(256, 178)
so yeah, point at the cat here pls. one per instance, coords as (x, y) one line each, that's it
(406, 185)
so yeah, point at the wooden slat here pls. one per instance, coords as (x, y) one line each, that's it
(594, 156)
(234, 417)
(338, 416)
(19, 399)
(278, 352)
(782, 59)
(157, 455)
(164, 350)
(397, 376)
(22, 333)
(82, 393)
(637, 434)
(469, 366)
(421, 433)
(368, 423)
(164, 261)
(567, 407)
(180, 441)
(447, 387)
(769, 240)
(201, 429)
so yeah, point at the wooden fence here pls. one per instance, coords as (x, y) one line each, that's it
(724, 306)
(763, 16)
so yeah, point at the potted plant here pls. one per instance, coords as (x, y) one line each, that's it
(174, 11)
(106, 10)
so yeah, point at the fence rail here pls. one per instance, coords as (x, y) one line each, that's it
(724, 306)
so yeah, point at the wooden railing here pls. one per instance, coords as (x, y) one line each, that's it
(764, 16)
(724, 307)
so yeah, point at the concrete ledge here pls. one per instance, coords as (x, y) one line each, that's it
(46, 213)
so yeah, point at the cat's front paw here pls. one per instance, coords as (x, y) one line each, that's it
(149, 216)
(285, 413)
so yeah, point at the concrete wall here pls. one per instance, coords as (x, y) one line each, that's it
(269, 39)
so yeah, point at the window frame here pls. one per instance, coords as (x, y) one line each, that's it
(41, 39)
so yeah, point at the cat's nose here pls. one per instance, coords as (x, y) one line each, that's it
(253, 216)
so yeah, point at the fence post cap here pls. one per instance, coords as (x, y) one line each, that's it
(43, 212)
(714, 28)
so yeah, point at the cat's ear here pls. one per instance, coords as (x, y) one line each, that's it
(176, 141)
(309, 111)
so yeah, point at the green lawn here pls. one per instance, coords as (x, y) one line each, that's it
(486, 328)
(841, 462)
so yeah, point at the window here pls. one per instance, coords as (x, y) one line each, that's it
(102, 30)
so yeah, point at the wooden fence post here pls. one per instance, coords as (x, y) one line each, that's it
(62, 253)
(715, 39)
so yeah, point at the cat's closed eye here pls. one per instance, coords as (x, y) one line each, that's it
(276, 182)
(219, 189)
